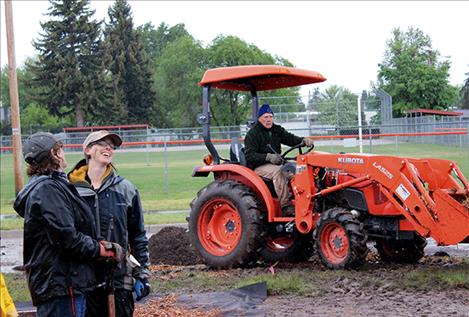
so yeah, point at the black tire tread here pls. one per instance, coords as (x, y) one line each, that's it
(357, 238)
(243, 197)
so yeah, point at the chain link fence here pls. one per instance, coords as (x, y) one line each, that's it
(331, 120)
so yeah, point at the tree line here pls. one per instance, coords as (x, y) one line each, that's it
(90, 72)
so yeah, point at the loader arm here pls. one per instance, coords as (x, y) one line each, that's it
(424, 191)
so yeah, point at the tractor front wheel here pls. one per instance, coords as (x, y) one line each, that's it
(340, 240)
(224, 225)
(401, 251)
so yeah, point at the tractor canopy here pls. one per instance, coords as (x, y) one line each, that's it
(251, 78)
(259, 77)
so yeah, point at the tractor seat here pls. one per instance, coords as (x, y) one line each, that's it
(237, 152)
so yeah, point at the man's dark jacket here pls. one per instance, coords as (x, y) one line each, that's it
(117, 207)
(259, 138)
(59, 238)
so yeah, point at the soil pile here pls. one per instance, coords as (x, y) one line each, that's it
(171, 246)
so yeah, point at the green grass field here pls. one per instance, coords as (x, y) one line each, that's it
(147, 172)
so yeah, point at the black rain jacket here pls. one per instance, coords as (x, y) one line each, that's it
(259, 138)
(59, 238)
(117, 206)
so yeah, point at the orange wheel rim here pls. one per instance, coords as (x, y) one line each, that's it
(219, 227)
(334, 243)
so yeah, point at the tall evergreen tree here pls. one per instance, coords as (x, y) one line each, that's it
(69, 72)
(129, 67)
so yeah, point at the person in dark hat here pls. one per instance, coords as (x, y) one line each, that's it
(263, 145)
(60, 241)
(116, 203)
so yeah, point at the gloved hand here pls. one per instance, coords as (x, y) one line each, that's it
(308, 142)
(274, 158)
(141, 288)
(114, 250)
(103, 252)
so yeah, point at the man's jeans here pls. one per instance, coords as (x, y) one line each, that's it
(62, 307)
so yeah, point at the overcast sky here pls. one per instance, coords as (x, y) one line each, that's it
(343, 40)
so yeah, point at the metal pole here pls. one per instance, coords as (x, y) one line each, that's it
(308, 109)
(371, 139)
(360, 135)
(147, 146)
(467, 134)
(166, 166)
(14, 102)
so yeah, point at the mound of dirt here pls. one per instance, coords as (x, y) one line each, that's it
(171, 246)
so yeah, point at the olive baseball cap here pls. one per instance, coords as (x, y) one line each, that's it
(38, 145)
(99, 135)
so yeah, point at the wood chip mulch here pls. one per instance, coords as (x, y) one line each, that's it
(167, 307)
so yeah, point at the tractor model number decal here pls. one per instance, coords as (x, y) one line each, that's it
(300, 168)
(383, 170)
(402, 192)
(350, 160)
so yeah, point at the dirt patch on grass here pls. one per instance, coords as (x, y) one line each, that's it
(436, 286)
(167, 307)
(171, 246)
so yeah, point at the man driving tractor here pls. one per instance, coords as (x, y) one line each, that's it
(262, 149)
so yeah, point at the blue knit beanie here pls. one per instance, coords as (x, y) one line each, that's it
(264, 109)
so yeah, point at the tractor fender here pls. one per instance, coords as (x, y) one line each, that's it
(243, 175)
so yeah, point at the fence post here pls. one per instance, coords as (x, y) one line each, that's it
(467, 135)
(360, 136)
(166, 165)
(371, 139)
(147, 146)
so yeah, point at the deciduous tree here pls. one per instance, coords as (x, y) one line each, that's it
(233, 107)
(155, 40)
(465, 93)
(177, 75)
(413, 73)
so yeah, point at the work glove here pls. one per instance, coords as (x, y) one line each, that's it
(114, 249)
(274, 158)
(308, 142)
(141, 288)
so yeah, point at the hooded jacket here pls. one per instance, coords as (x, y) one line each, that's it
(116, 205)
(59, 238)
(259, 141)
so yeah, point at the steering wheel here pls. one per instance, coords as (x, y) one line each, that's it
(300, 150)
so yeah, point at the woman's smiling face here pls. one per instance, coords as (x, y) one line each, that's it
(101, 151)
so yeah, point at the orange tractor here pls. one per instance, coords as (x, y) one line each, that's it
(342, 201)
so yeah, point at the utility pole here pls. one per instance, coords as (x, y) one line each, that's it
(15, 108)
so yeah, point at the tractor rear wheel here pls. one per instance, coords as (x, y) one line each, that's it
(340, 240)
(288, 247)
(224, 225)
(402, 251)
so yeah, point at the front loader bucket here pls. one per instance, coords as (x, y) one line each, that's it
(453, 218)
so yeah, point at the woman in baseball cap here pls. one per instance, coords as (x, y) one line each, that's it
(60, 241)
(116, 204)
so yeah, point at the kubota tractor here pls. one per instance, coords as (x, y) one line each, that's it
(342, 201)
